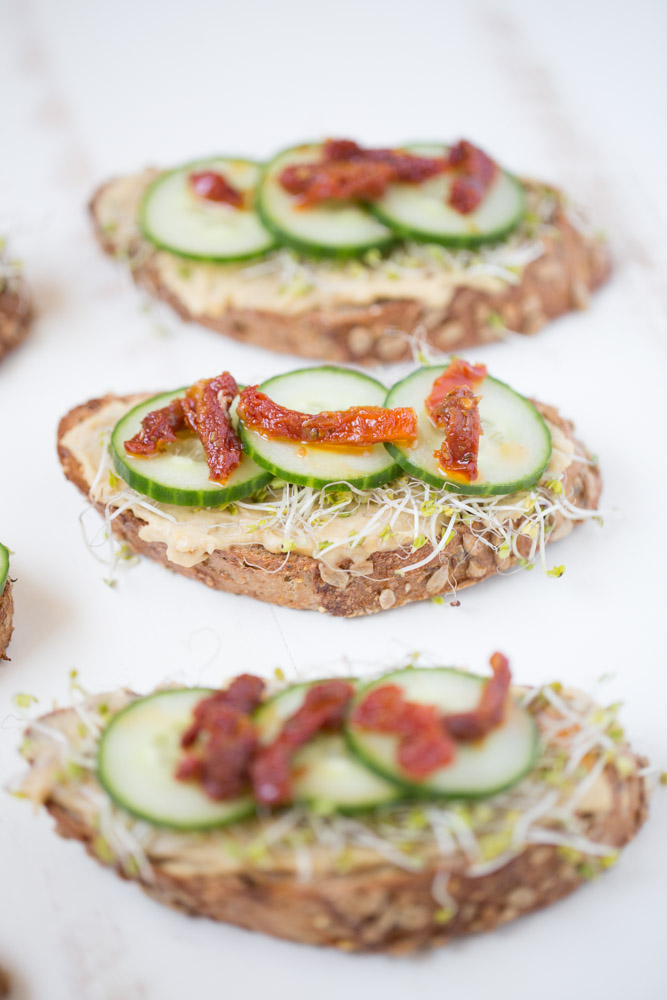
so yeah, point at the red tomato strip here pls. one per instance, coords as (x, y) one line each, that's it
(453, 406)
(475, 174)
(339, 181)
(459, 412)
(205, 410)
(424, 745)
(222, 739)
(491, 708)
(323, 708)
(348, 172)
(158, 429)
(427, 739)
(459, 372)
(212, 186)
(358, 426)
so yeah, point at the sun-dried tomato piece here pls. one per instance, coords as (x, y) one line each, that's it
(158, 429)
(358, 426)
(406, 166)
(243, 695)
(340, 180)
(458, 372)
(453, 406)
(475, 174)
(341, 149)
(491, 708)
(206, 407)
(212, 186)
(348, 172)
(222, 739)
(459, 414)
(323, 708)
(424, 745)
(205, 410)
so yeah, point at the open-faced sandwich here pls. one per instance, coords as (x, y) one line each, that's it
(383, 816)
(6, 603)
(334, 251)
(15, 305)
(321, 490)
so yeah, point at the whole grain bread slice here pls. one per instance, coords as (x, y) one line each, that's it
(568, 264)
(298, 581)
(15, 313)
(6, 618)
(361, 901)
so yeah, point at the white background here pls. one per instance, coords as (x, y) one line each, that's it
(570, 92)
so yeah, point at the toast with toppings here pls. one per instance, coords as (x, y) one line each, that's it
(15, 304)
(348, 530)
(374, 848)
(6, 603)
(344, 264)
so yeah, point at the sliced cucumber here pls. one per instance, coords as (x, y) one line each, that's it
(514, 448)
(311, 390)
(421, 211)
(4, 566)
(330, 229)
(481, 768)
(178, 475)
(137, 758)
(325, 774)
(175, 219)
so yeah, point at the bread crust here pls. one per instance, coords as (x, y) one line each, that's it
(15, 314)
(374, 906)
(6, 618)
(296, 582)
(571, 266)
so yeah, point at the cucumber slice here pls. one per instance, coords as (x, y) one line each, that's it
(420, 211)
(514, 448)
(311, 390)
(330, 229)
(175, 219)
(325, 774)
(481, 768)
(137, 757)
(4, 566)
(180, 474)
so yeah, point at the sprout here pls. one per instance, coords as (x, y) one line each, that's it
(24, 700)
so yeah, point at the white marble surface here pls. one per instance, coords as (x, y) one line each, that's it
(571, 92)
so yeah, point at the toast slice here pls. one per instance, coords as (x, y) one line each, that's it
(366, 578)
(6, 618)
(362, 311)
(15, 312)
(414, 878)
